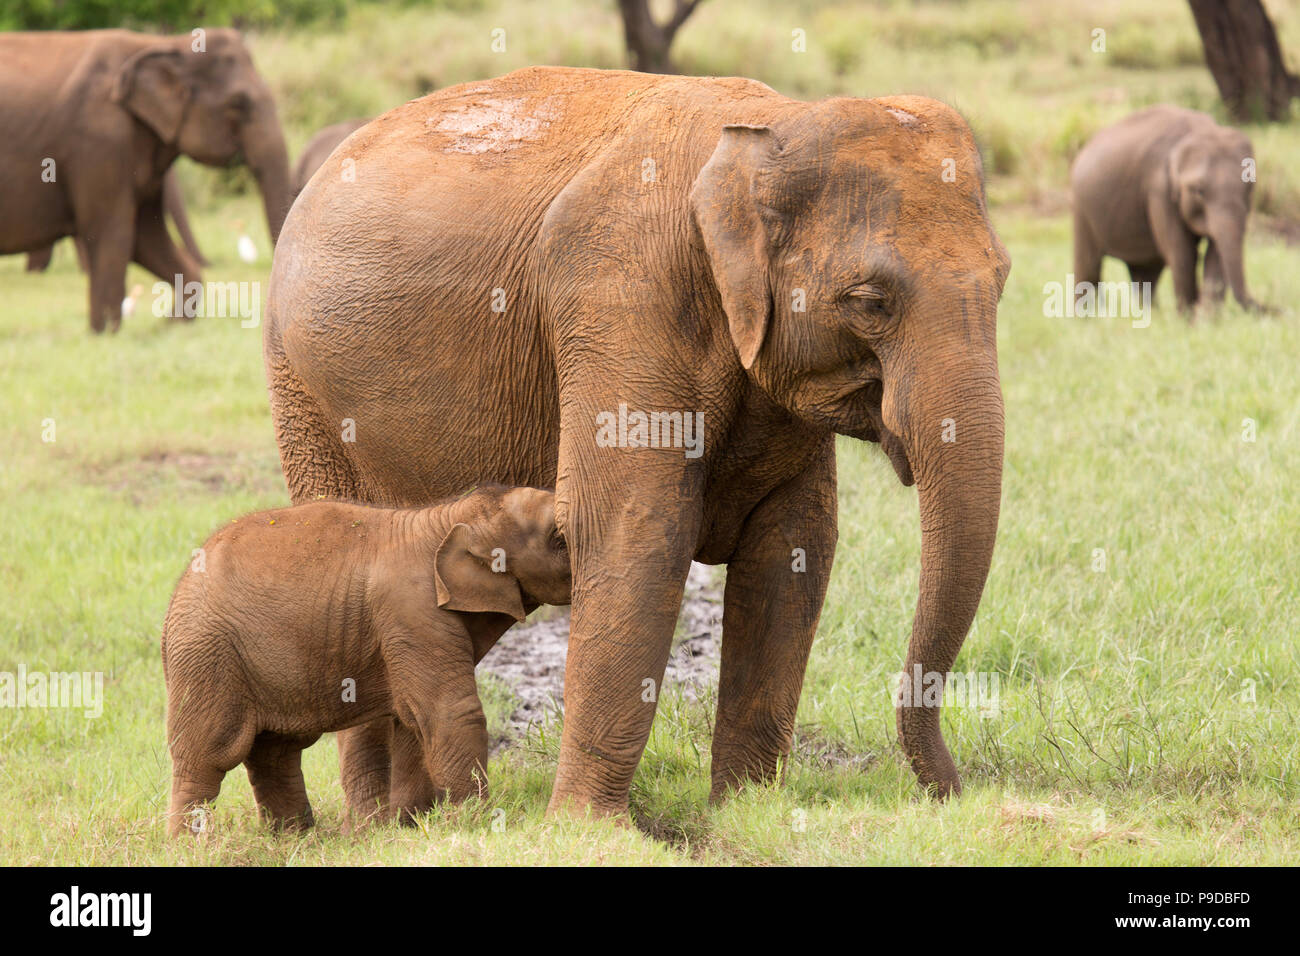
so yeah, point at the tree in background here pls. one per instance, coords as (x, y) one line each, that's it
(647, 40)
(1243, 55)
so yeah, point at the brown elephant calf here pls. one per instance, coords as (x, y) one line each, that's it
(296, 622)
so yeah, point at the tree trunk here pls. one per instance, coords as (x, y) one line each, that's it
(1243, 55)
(647, 41)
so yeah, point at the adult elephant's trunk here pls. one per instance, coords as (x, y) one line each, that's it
(265, 152)
(951, 419)
(1227, 230)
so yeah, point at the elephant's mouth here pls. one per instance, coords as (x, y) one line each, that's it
(874, 430)
(892, 446)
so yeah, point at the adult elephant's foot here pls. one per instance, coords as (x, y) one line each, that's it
(592, 782)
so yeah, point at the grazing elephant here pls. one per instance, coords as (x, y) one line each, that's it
(173, 205)
(1148, 190)
(318, 149)
(311, 619)
(665, 295)
(93, 121)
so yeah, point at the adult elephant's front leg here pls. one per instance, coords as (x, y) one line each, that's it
(631, 533)
(776, 583)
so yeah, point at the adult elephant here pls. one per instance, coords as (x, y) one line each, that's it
(318, 149)
(1151, 188)
(173, 205)
(523, 268)
(92, 121)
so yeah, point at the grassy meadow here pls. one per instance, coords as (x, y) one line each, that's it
(1141, 615)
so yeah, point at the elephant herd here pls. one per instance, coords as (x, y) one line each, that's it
(494, 272)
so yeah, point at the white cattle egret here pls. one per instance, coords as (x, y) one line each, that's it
(247, 249)
(128, 304)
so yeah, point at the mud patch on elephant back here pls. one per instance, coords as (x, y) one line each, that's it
(142, 478)
(529, 659)
(492, 124)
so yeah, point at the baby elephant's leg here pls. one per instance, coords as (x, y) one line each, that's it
(434, 695)
(194, 786)
(207, 738)
(365, 769)
(458, 754)
(413, 792)
(275, 771)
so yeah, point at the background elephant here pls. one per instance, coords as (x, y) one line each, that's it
(1148, 190)
(173, 205)
(94, 120)
(530, 266)
(318, 149)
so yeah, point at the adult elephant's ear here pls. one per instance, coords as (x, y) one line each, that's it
(153, 86)
(465, 581)
(730, 219)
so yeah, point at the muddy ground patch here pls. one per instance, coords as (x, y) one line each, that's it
(529, 659)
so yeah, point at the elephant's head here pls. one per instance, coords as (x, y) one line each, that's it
(210, 104)
(1210, 181)
(504, 552)
(853, 256)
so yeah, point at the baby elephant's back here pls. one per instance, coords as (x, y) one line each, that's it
(276, 588)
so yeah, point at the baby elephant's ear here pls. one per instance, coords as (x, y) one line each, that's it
(466, 582)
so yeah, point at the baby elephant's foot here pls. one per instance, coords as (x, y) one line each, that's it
(301, 820)
(191, 821)
(355, 823)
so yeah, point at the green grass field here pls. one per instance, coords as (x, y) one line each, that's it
(1148, 710)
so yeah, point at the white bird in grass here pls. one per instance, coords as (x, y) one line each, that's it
(246, 247)
(128, 304)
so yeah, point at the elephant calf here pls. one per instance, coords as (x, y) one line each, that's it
(304, 620)
(1148, 190)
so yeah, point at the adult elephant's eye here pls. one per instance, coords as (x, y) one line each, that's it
(872, 301)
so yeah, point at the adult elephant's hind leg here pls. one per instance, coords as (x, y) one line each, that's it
(776, 582)
(155, 250)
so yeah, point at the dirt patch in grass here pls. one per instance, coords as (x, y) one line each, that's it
(140, 478)
(529, 659)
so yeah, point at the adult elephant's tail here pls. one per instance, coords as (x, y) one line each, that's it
(312, 456)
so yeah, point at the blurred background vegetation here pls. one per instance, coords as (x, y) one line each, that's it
(1023, 72)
